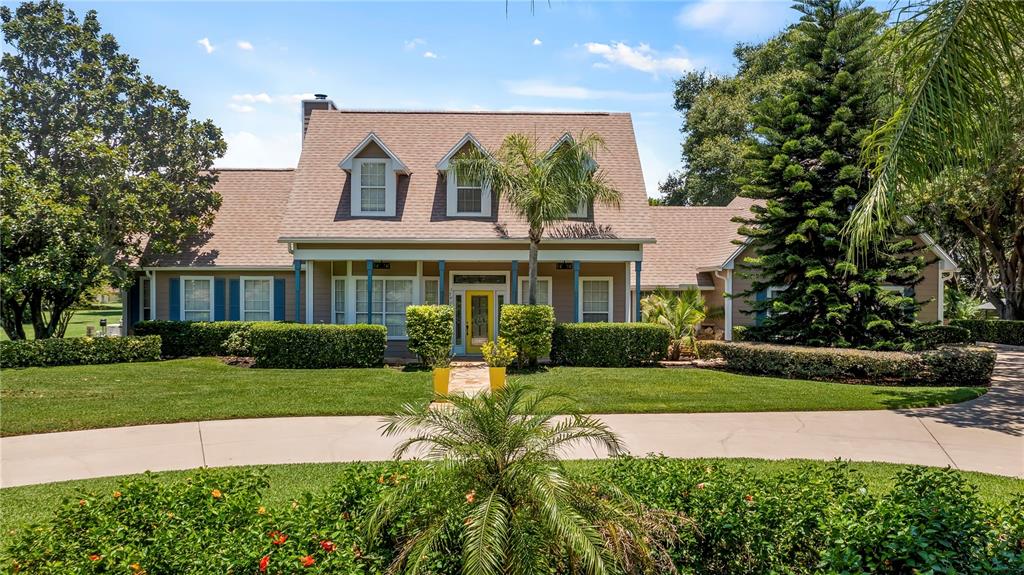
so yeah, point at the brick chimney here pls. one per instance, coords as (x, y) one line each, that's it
(319, 102)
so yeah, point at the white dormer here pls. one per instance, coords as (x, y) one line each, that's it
(373, 170)
(466, 197)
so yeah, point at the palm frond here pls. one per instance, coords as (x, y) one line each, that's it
(486, 537)
(959, 62)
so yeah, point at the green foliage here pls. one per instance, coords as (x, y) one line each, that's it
(78, 351)
(681, 313)
(994, 331)
(960, 304)
(528, 329)
(102, 166)
(430, 329)
(321, 346)
(948, 365)
(196, 338)
(508, 504)
(609, 344)
(804, 169)
(499, 353)
(931, 336)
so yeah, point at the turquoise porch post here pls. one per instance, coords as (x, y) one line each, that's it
(639, 315)
(576, 291)
(369, 291)
(515, 281)
(298, 289)
(440, 283)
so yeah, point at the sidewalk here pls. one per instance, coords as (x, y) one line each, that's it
(986, 434)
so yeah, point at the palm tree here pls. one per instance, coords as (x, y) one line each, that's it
(506, 497)
(959, 71)
(682, 314)
(543, 187)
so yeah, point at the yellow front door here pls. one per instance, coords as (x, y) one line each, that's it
(479, 318)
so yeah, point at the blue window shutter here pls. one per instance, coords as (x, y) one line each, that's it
(234, 297)
(761, 295)
(133, 302)
(218, 300)
(279, 299)
(174, 299)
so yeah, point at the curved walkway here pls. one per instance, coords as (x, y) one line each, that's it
(986, 434)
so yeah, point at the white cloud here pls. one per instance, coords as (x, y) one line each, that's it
(537, 42)
(737, 18)
(205, 43)
(414, 43)
(249, 150)
(641, 57)
(542, 89)
(245, 45)
(241, 108)
(429, 54)
(262, 97)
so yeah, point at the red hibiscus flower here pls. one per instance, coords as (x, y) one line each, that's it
(749, 498)
(328, 546)
(278, 538)
(94, 557)
(307, 561)
(264, 563)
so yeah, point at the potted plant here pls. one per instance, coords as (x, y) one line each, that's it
(499, 355)
(441, 364)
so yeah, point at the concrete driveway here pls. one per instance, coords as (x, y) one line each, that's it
(986, 434)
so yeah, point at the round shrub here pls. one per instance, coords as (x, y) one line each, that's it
(931, 336)
(78, 351)
(609, 344)
(528, 328)
(430, 329)
(320, 346)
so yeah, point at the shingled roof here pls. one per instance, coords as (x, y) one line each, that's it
(320, 203)
(246, 229)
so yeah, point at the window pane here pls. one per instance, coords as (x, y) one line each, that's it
(468, 181)
(372, 199)
(339, 301)
(595, 317)
(196, 303)
(397, 297)
(542, 291)
(595, 300)
(372, 174)
(257, 296)
(430, 288)
(470, 200)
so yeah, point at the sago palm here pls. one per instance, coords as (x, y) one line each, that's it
(681, 313)
(502, 494)
(959, 74)
(542, 186)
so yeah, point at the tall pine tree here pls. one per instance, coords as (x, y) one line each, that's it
(805, 170)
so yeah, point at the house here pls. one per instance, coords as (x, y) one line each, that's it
(373, 202)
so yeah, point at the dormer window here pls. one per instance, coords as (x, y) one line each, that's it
(467, 196)
(582, 210)
(374, 173)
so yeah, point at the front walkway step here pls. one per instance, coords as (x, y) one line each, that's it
(469, 378)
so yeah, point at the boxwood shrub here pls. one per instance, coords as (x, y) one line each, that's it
(609, 344)
(430, 329)
(78, 351)
(191, 338)
(931, 336)
(528, 328)
(322, 346)
(995, 331)
(947, 365)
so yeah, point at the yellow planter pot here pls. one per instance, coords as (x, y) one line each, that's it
(441, 375)
(497, 376)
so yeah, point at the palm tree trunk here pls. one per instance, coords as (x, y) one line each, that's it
(534, 247)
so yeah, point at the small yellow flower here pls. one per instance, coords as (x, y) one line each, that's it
(117, 494)
(216, 494)
(135, 567)
(262, 510)
(170, 514)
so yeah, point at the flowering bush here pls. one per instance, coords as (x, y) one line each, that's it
(499, 353)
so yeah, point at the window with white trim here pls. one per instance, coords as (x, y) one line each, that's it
(582, 210)
(467, 196)
(257, 301)
(197, 299)
(543, 290)
(338, 299)
(771, 293)
(373, 187)
(144, 299)
(390, 298)
(596, 299)
(431, 286)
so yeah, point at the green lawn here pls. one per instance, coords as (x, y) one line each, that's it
(32, 503)
(658, 390)
(37, 400)
(81, 319)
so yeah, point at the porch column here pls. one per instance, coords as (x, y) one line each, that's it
(639, 315)
(298, 289)
(440, 283)
(515, 281)
(369, 291)
(576, 291)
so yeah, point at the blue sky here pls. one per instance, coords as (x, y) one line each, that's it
(246, 65)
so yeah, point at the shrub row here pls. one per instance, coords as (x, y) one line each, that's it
(528, 329)
(931, 336)
(728, 518)
(994, 331)
(948, 365)
(191, 338)
(430, 329)
(609, 344)
(302, 346)
(78, 351)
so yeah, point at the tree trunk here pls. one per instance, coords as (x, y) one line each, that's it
(534, 247)
(12, 317)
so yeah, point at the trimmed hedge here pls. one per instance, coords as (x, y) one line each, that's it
(528, 328)
(191, 338)
(302, 346)
(430, 329)
(948, 365)
(78, 351)
(931, 336)
(609, 344)
(1007, 332)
